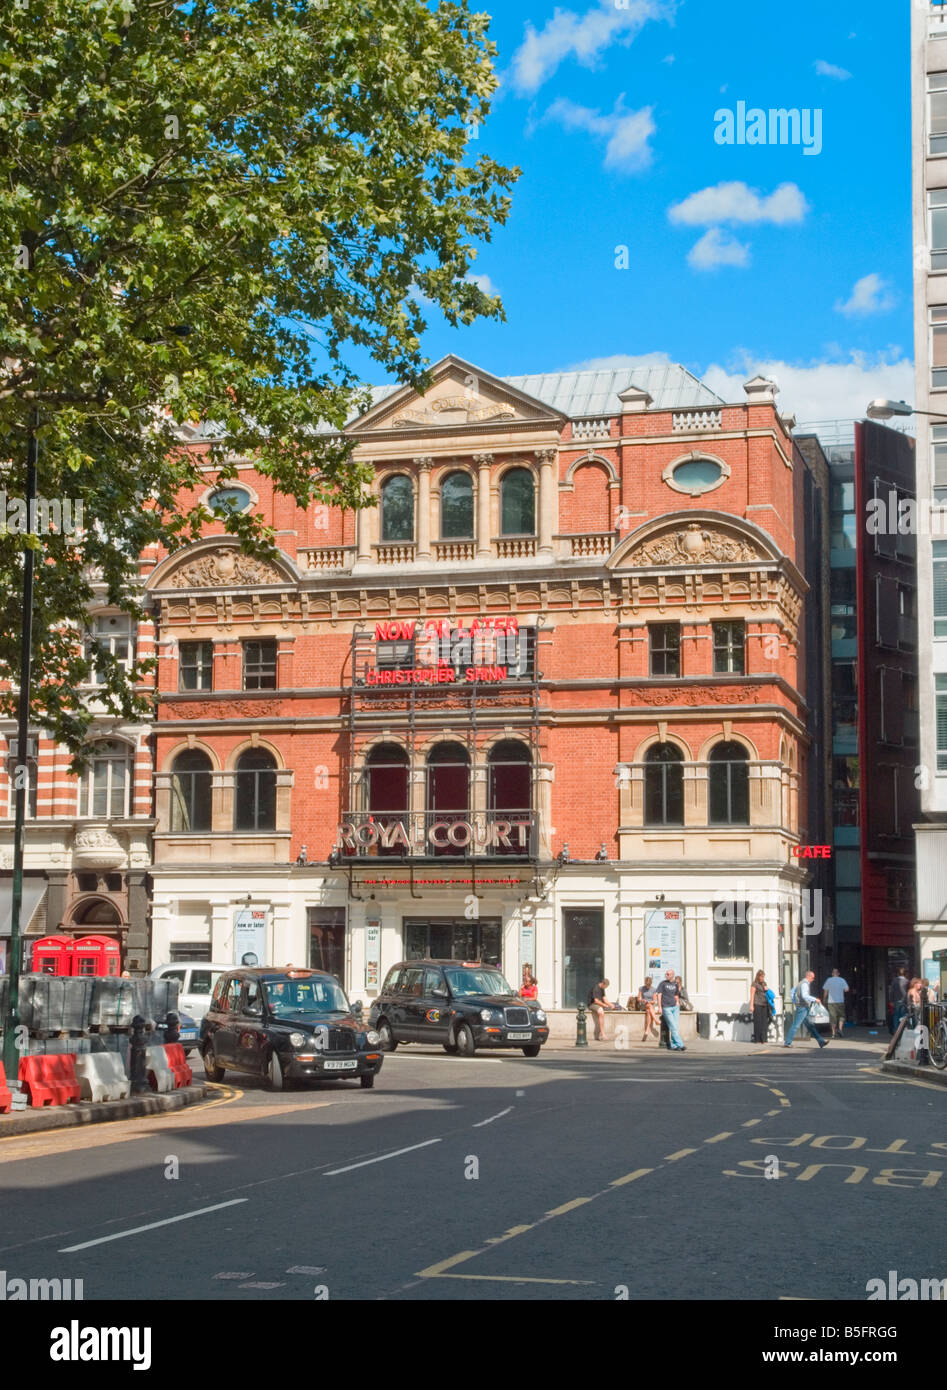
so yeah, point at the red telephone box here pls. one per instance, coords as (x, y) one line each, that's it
(52, 955)
(96, 955)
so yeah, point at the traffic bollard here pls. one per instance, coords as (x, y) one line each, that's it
(172, 1028)
(137, 1071)
(581, 1037)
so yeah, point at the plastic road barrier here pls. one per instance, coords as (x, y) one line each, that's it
(102, 1076)
(160, 1076)
(183, 1076)
(6, 1100)
(50, 1080)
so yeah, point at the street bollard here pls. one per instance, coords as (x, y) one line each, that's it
(137, 1070)
(172, 1028)
(581, 1037)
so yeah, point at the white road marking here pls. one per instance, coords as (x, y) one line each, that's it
(246, 1274)
(262, 1284)
(480, 1123)
(307, 1269)
(436, 1056)
(380, 1159)
(152, 1226)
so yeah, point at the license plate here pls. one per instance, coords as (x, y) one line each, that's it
(519, 1037)
(340, 1066)
(188, 1035)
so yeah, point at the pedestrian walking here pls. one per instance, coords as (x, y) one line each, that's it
(834, 991)
(896, 997)
(759, 1007)
(669, 996)
(803, 1000)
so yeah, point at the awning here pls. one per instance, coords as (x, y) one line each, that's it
(34, 890)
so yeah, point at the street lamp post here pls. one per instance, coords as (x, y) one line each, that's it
(21, 771)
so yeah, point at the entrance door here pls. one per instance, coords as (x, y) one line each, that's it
(327, 940)
(584, 954)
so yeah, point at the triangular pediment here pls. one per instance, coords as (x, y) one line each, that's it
(461, 396)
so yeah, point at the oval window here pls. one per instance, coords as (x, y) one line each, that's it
(697, 475)
(229, 499)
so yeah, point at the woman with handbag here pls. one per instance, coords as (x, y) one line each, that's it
(759, 1008)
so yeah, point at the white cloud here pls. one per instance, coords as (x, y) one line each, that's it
(821, 389)
(483, 283)
(825, 69)
(837, 388)
(583, 36)
(626, 133)
(717, 248)
(738, 203)
(870, 295)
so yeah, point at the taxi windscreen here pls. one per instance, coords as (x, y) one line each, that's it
(287, 997)
(476, 980)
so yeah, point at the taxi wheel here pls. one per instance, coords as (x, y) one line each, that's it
(464, 1041)
(368, 1080)
(212, 1071)
(388, 1043)
(532, 1051)
(275, 1074)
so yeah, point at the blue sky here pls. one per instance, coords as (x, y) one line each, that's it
(740, 258)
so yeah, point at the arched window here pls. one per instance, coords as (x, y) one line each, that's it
(729, 785)
(664, 785)
(397, 509)
(106, 786)
(191, 791)
(510, 794)
(448, 795)
(517, 503)
(457, 509)
(385, 784)
(255, 791)
(97, 912)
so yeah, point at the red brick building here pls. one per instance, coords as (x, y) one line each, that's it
(543, 701)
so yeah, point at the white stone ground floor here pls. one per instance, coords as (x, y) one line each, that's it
(572, 924)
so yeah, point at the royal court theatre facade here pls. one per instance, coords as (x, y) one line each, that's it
(543, 701)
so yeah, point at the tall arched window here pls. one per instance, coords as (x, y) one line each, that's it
(457, 509)
(510, 794)
(448, 795)
(397, 509)
(255, 791)
(517, 503)
(191, 791)
(385, 783)
(106, 786)
(664, 785)
(729, 785)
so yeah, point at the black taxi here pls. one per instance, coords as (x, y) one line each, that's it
(285, 1026)
(462, 1005)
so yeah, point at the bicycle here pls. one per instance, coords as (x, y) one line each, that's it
(937, 1047)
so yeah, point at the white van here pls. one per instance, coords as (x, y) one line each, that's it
(197, 979)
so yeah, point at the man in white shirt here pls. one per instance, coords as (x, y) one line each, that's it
(803, 1001)
(834, 991)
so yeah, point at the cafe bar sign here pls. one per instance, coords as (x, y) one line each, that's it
(442, 651)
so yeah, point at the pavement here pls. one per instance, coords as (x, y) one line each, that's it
(771, 1174)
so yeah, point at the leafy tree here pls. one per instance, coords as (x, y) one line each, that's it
(204, 207)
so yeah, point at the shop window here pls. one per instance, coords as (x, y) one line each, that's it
(729, 648)
(457, 508)
(449, 938)
(106, 786)
(665, 645)
(259, 664)
(255, 791)
(517, 503)
(191, 792)
(664, 785)
(397, 509)
(448, 793)
(189, 950)
(729, 785)
(732, 931)
(196, 666)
